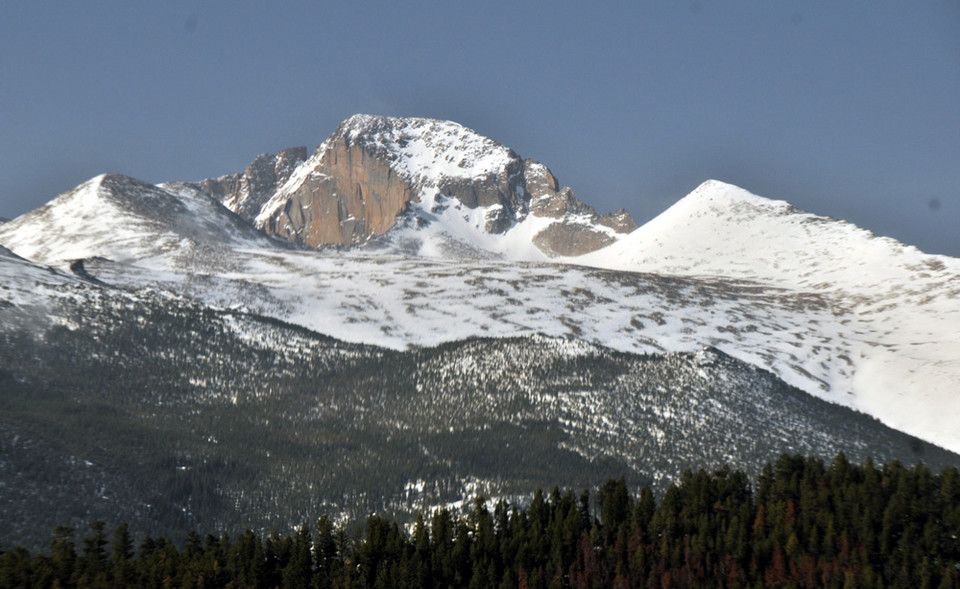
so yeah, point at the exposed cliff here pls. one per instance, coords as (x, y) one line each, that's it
(372, 170)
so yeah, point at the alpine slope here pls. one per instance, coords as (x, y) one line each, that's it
(404, 232)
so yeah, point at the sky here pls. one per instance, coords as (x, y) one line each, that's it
(847, 109)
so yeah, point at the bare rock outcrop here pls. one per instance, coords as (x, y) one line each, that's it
(246, 193)
(578, 230)
(372, 169)
(571, 239)
(349, 196)
(619, 220)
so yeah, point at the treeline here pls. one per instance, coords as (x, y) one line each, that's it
(803, 524)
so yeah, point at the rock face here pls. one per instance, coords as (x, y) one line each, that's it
(246, 193)
(348, 195)
(576, 232)
(372, 170)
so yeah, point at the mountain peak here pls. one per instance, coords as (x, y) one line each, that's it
(119, 217)
(718, 195)
(426, 151)
(722, 229)
(375, 171)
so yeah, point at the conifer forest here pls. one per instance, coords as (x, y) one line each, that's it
(800, 523)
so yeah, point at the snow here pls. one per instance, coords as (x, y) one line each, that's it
(122, 219)
(853, 318)
(397, 302)
(25, 285)
(440, 225)
(425, 151)
(901, 306)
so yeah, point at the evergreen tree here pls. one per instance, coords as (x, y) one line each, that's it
(121, 553)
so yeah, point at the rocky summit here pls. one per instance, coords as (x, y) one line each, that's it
(372, 169)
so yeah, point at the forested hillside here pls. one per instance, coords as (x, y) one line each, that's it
(801, 524)
(175, 417)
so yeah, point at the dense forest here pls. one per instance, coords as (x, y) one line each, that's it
(800, 524)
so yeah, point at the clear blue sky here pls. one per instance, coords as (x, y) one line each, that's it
(849, 109)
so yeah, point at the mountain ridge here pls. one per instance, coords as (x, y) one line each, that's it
(755, 278)
(122, 218)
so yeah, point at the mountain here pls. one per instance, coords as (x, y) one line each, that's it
(400, 319)
(817, 341)
(121, 218)
(175, 416)
(895, 307)
(447, 185)
(829, 308)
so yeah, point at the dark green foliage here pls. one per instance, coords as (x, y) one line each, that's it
(807, 525)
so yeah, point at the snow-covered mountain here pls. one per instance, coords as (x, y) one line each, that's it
(456, 236)
(723, 230)
(121, 218)
(434, 186)
(897, 309)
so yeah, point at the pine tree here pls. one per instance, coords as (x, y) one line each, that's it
(299, 570)
(121, 553)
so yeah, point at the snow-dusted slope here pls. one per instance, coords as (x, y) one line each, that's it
(722, 230)
(402, 301)
(30, 295)
(121, 218)
(901, 306)
(21, 280)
